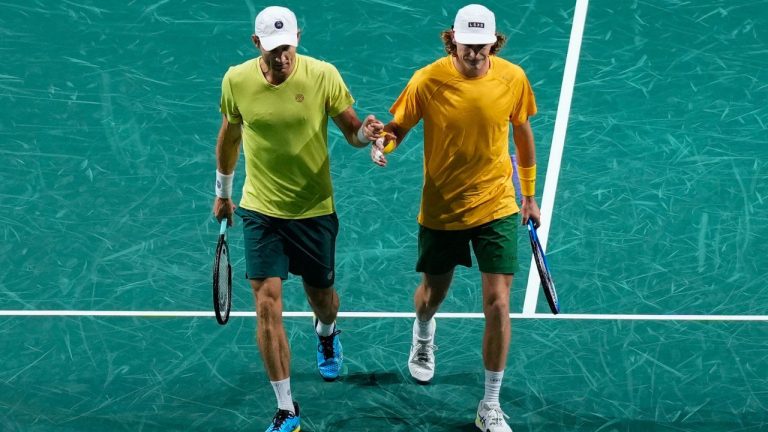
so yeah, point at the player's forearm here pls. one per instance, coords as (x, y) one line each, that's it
(524, 145)
(349, 125)
(396, 130)
(228, 148)
(526, 160)
(226, 157)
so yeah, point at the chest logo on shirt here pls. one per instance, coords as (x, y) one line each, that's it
(299, 97)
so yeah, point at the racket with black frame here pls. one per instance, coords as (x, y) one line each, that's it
(547, 284)
(222, 277)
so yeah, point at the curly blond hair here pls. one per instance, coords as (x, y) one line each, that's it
(450, 47)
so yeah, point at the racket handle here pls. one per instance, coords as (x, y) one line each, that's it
(223, 228)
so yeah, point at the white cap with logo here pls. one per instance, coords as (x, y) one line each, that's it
(475, 25)
(276, 26)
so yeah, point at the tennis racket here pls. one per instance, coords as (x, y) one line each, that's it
(222, 278)
(547, 284)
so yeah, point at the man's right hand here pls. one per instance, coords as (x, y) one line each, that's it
(377, 148)
(372, 127)
(223, 208)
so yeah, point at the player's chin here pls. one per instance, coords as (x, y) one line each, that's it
(282, 67)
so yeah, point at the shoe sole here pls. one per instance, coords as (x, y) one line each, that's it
(420, 381)
(480, 426)
(329, 379)
(326, 379)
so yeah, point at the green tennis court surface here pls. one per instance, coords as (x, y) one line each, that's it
(108, 120)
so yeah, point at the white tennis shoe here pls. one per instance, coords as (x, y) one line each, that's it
(421, 361)
(490, 418)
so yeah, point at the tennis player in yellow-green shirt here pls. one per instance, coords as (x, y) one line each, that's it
(278, 105)
(467, 101)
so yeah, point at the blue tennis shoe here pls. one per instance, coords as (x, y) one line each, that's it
(286, 421)
(329, 355)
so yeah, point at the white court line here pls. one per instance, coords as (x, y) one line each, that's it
(556, 152)
(467, 315)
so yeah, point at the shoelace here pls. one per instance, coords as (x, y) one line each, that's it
(326, 344)
(422, 352)
(280, 417)
(495, 416)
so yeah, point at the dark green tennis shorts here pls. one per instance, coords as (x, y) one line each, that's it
(494, 243)
(275, 246)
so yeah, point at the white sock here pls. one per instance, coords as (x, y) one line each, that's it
(424, 329)
(282, 390)
(492, 386)
(325, 329)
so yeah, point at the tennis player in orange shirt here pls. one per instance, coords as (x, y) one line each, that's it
(467, 101)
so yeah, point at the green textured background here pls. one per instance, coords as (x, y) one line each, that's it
(108, 118)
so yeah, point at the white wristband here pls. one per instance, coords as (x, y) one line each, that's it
(361, 136)
(224, 184)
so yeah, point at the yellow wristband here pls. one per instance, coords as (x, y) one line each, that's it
(527, 180)
(390, 146)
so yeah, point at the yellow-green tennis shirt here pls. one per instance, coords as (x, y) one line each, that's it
(285, 135)
(467, 169)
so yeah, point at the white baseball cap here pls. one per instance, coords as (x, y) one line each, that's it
(474, 25)
(276, 26)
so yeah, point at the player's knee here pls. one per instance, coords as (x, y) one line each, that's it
(268, 310)
(435, 290)
(320, 297)
(268, 299)
(435, 297)
(496, 306)
(266, 288)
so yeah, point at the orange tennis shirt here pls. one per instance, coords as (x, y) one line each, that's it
(467, 168)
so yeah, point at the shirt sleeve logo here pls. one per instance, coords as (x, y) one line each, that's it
(299, 97)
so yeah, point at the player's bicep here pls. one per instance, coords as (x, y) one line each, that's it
(522, 133)
(230, 133)
(406, 110)
(227, 104)
(526, 104)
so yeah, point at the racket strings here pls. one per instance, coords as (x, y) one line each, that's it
(223, 271)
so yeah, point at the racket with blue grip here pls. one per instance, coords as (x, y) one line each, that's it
(539, 257)
(222, 277)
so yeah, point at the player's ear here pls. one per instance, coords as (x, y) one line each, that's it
(256, 41)
(298, 37)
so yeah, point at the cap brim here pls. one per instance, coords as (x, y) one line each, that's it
(271, 42)
(474, 38)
